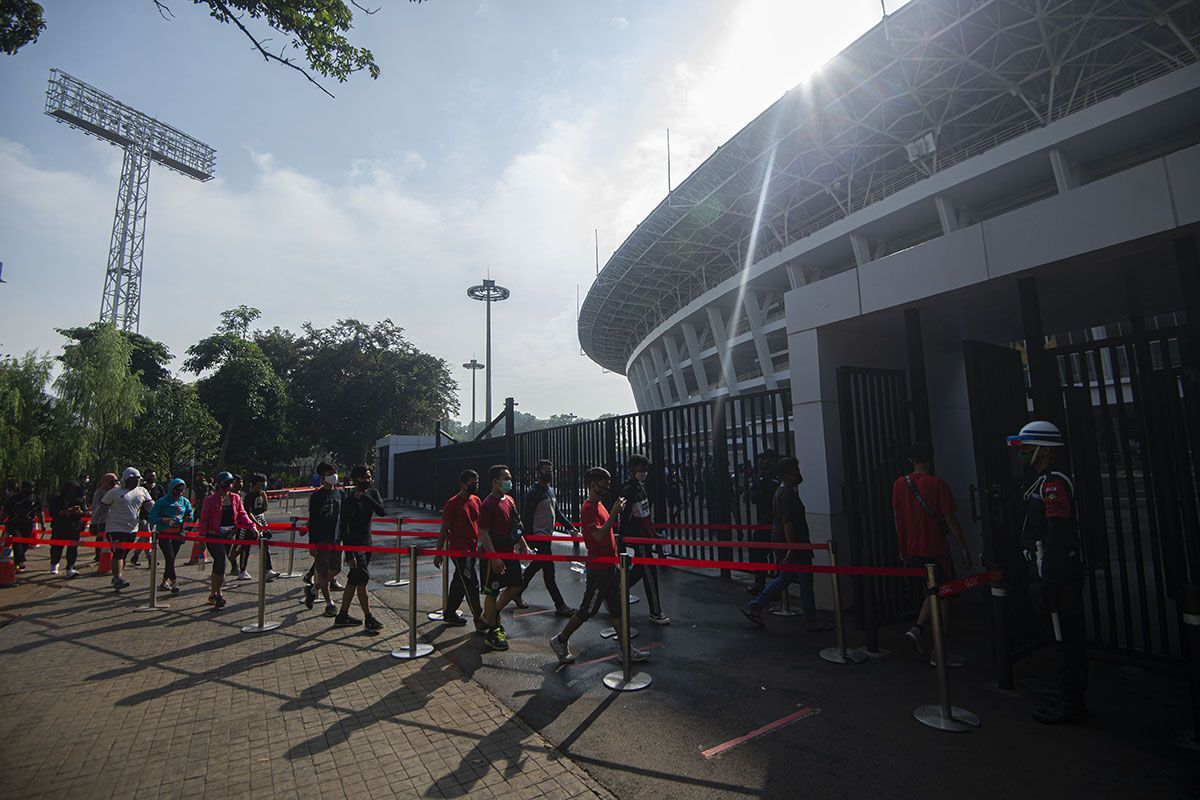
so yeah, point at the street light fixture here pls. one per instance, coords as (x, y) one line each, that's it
(474, 366)
(489, 293)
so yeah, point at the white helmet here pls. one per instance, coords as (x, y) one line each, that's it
(1040, 433)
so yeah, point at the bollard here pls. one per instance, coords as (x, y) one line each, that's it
(943, 716)
(839, 654)
(440, 614)
(398, 581)
(262, 626)
(1004, 664)
(153, 605)
(784, 609)
(414, 650)
(625, 679)
(291, 552)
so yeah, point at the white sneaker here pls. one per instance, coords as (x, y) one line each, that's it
(245, 576)
(72, 573)
(635, 655)
(54, 570)
(561, 650)
(661, 619)
(330, 610)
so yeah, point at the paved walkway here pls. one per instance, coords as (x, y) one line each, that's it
(100, 701)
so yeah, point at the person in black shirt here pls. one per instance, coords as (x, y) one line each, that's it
(636, 523)
(791, 525)
(361, 504)
(539, 514)
(256, 506)
(762, 494)
(67, 510)
(21, 509)
(324, 514)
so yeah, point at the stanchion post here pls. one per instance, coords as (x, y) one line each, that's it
(262, 626)
(291, 551)
(398, 580)
(440, 614)
(839, 654)
(153, 605)
(943, 716)
(415, 649)
(1004, 664)
(625, 680)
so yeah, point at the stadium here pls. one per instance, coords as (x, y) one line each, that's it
(976, 212)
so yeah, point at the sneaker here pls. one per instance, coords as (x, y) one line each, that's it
(308, 578)
(310, 596)
(481, 627)
(565, 656)
(564, 611)
(1061, 713)
(164, 587)
(455, 620)
(344, 620)
(952, 661)
(191, 562)
(635, 655)
(330, 610)
(496, 639)
(72, 573)
(754, 589)
(334, 586)
(245, 576)
(914, 639)
(174, 588)
(373, 624)
(219, 601)
(54, 569)
(660, 619)
(212, 599)
(754, 614)
(121, 584)
(271, 575)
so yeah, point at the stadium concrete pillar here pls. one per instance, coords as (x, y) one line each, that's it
(693, 346)
(720, 334)
(648, 391)
(674, 360)
(664, 384)
(755, 317)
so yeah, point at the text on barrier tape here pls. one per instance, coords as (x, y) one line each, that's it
(970, 582)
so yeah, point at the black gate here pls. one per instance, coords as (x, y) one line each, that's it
(876, 435)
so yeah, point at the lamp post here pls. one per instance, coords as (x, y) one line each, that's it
(489, 293)
(474, 366)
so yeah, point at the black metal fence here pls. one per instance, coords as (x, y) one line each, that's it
(703, 455)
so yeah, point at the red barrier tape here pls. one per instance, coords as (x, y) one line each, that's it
(77, 543)
(705, 543)
(970, 582)
(902, 572)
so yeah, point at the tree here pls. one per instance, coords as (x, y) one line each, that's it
(358, 381)
(99, 394)
(148, 358)
(20, 24)
(175, 428)
(24, 409)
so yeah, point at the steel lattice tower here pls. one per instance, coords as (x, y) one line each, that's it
(144, 139)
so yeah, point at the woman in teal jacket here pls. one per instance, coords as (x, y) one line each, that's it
(167, 516)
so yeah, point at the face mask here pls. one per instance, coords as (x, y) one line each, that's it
(506, 486)
(641, 476)
(472, 487)
(332, 479)
(545, 477)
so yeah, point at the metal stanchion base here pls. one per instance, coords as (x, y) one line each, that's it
(880, 653)
(267, 626)
(421, 651)
(616, 681)
(780, 611)
(401, 582)
(960, 720)
(611, 633)
(155, 607)
(288, 575)
(439, 616)
(835, 656)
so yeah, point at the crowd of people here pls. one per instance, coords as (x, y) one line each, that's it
(486, 536)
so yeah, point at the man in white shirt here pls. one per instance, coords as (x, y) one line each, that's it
(125, 504)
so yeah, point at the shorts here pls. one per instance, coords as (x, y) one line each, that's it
(119, 538)
(493, 581)
(327, 562)
(600, 586)
(943, 566)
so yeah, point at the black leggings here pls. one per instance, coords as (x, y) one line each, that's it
(547, 570)
(23, 530)
(170, 549)
(218, 553)
(56, 550)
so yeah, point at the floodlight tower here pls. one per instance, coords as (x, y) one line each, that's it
(474, 366)
(489, 293)
(144, 139)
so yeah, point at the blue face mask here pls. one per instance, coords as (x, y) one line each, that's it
(507, 486)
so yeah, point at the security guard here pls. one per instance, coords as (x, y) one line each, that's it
(1050, 541)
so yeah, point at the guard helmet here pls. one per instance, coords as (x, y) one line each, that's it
(1039, 433)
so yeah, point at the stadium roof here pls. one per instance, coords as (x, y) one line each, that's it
(933, 84)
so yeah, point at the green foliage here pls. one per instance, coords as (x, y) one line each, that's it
(148, 358)
(24, 412)
(20, 24)
(174, 429)
(99, 395)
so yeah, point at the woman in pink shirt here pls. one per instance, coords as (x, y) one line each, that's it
(221, 516)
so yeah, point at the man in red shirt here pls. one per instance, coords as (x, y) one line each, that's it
(925, 515)
(603, 581)
(460, 531)
(499, 532)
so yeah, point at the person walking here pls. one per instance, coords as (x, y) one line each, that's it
(324, 515)
(762, 493)
(221, 517)
(1050, 545)
(200, 492)
(257, 505)
(539, 514)
(602, 584)
(100, 511)
(168, 516)
(239, 554)
(790, 525)
(499, 532)
(674, 494)
(22, 511)
(926, 515)
(66, 522)
(151, 485)
(126, 503)
(362, 503)
(460, 531)
(635, 522)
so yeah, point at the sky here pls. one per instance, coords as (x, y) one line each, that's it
(498, 138)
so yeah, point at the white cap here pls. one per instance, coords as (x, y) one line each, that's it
(130, 472)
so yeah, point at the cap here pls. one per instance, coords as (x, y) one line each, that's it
(130, 472)
(223, 478)
(1040, 433)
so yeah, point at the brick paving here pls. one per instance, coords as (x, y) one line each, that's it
(99, 701)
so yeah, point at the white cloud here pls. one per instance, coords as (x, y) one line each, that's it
(620, 23)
